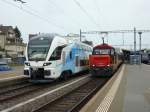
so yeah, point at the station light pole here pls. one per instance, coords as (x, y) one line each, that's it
(140, 42)
(135, 41)
(135, 57)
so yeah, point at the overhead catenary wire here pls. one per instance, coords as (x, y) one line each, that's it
(38, 13)
(52, 3)
(72, 19)
(98, 11)
(33, 14)
(86, 13)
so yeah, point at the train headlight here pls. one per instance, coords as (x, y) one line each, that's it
(27, 63)
(93, 65)
(108, 65)
(46, 64)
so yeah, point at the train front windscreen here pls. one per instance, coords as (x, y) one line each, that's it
(38, 48)
(101, 51)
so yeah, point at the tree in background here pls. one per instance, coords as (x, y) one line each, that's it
(17, 32)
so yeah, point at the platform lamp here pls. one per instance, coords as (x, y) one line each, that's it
(140, 43)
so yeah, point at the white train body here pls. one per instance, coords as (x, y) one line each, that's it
(50, 57)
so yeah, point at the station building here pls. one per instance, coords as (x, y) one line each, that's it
(10, 44)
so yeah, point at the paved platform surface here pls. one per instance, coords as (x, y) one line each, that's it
(17, 71)
(110, 97)
(137, 95)
(132, 95)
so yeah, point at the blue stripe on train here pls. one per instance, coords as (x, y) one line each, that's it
(70, 63)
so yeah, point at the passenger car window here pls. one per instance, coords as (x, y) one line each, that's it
(56, 55)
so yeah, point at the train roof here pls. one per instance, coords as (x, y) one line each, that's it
(103, 46)
(79, 45)
(45, 35)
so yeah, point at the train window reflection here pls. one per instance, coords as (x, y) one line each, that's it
(56, 55)
(101, 51)
(38, 48)
(37, 53)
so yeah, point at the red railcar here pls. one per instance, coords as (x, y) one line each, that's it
(104, 60)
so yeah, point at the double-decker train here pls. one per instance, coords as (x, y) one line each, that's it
(104, 60)
(49, 57)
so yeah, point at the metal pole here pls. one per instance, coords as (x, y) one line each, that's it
(140, 33)
(80, 35)
(140, 43)
(135, 40)
(135, 58)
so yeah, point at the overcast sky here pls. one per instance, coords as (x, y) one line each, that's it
(69, 16)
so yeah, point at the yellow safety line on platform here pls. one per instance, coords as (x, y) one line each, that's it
(105, 104)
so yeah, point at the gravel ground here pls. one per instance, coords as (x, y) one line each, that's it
(46, 88)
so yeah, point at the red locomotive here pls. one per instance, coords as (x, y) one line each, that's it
(104, 60)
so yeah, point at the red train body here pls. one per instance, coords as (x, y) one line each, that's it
(104, 60)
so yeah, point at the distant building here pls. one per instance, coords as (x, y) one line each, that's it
(9, 43)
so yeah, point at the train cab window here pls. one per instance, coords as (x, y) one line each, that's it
(56, 55)
(96, 51)
(101, 51)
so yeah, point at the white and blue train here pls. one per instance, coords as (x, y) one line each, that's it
(51, 57)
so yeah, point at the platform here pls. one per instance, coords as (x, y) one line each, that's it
(16, 71)
(127, 91)
(137, 96)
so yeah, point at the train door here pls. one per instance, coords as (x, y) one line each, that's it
(116, 61)
(112, 56)
(77, 61)
(63, 57)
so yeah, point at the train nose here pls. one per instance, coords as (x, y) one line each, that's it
(100, 60)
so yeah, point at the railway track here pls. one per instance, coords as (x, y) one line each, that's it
(9, 82)
(11, 87)
(14, 94)
(16, 91)
(74, 100)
